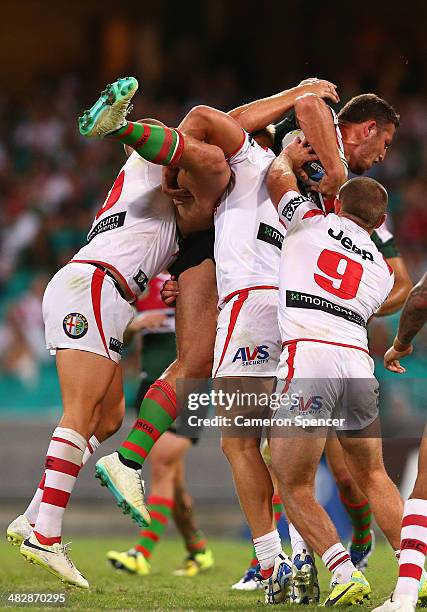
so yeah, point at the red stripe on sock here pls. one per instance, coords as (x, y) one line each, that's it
(165, 148)
(65, 442)
(42, 481)
(90, 449)
(266, 573)
(143, 550)
(55, 497)
(62, 465)
(414, 544)
(46, 541)
(352, 505)
(179, 150)
(345, 557)
(147, 428)
(197, 546)
(145, 136)
(135, 448)
(150, 535)
(276, 500)
(254, 562)
(414, 519)
(360, 541)
(127, 131)
(161, 395)
(160, 501)
(410, 570)
(158, 517)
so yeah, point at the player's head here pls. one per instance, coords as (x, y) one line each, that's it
(364, 200)
(368, 124)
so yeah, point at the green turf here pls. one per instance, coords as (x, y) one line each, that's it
(160, 591)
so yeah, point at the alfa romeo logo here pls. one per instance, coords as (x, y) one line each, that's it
(75, 325)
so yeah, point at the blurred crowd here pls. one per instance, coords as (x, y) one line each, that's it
(52, 180)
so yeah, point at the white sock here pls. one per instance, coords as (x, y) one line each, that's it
(267, 547)
(413, 548)
(34, 506)
(337, 560)
(298, 543)
(63, 463)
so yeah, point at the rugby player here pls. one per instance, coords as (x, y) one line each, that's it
(326, 299)
(86, 310)
(169, 497)
(413, 546)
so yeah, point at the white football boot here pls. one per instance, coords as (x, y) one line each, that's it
(55, 559)
(400, 603)
(126, 485)
(19, 530)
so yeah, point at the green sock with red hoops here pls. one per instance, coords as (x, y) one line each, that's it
(156, 144)
(361, 519)
(160, 509)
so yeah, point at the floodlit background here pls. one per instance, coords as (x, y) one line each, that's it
(55, 58)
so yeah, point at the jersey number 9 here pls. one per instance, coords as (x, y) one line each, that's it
(344, 274)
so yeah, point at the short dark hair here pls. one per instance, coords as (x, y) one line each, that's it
(364, 199)
(369, 106)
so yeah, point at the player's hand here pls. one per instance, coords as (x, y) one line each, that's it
(169, 292)
(392, 356)
(299, 152)
(170, 186)
(148, 320)
(331, 183)
(320, 87)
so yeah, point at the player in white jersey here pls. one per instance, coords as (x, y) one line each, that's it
(86, 310)
(332, 279)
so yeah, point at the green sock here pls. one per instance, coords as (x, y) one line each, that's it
(157, 413)
(197, 542)
(157, 144)
(277, 508)
(361, 518)
(160, 509)
(254, 560)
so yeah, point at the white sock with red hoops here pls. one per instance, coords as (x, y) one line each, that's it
(63, 462)
(337, 560)
(413, 548)
(32, 511)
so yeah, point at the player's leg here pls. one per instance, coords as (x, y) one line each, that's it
(364, 459)
(410, 586)
(355, 503)
(166, 146)
(200, 557)
(82, 393)
(164, 460)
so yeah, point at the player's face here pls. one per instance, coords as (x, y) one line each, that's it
(372, 148)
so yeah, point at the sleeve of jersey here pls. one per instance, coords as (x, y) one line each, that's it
(294, 208)
(243, 149)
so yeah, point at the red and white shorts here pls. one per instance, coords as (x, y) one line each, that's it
(83, 310)
(247, 335)
(322, 380)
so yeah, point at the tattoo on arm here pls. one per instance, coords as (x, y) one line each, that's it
(414, 313)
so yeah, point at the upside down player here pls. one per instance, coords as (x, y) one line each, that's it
(344, 270)
(413, 547)
(86, 310)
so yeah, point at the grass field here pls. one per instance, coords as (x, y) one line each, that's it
(161, 591)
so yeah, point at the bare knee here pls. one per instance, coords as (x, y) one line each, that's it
(236, 447)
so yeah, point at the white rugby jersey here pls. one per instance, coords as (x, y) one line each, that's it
(248, 235)
(134, 231)
(332, 276)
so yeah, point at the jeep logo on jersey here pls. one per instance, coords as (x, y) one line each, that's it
(250, 357)
(269, 234)
(75, 325)
(348, 244)
(291, 206)
(109, 223)
(141, 280)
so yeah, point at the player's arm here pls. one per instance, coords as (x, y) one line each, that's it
(282, 183)
(316, 121)
(256, 116)
(412, 319)
(401, 288)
